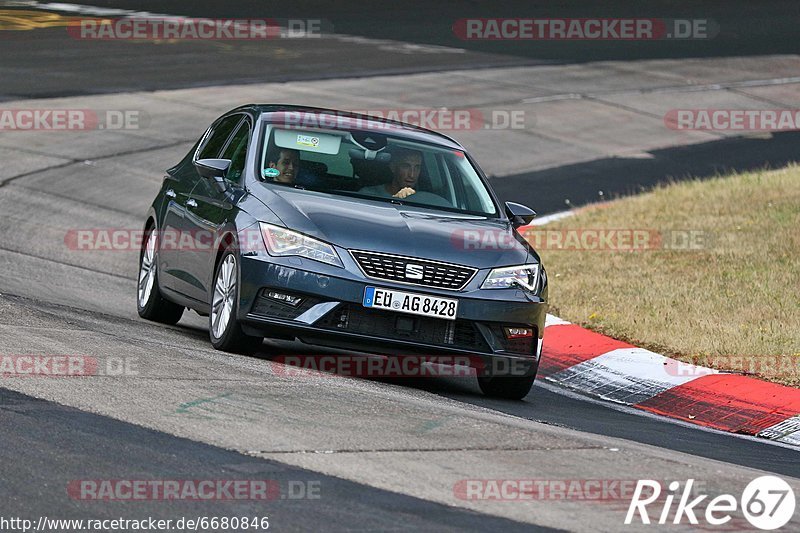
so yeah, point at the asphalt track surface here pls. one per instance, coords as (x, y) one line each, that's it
(45, 432)
(387, 454)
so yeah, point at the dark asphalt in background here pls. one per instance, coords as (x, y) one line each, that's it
(49, 62)
(558, 189)
(52, 445)
(45, 63)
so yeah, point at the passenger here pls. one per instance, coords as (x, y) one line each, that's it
(287, 161)
(405, 166)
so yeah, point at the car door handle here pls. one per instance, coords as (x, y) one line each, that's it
(171, 193)
(191, 203)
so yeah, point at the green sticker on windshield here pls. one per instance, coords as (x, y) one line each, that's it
(271, 172)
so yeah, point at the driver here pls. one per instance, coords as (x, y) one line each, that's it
(405, 166)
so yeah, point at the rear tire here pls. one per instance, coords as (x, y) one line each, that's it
(508, 387)
(150, 304)
(224, 329)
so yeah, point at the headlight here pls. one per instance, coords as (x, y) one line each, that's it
(525, 276)
(282, 242)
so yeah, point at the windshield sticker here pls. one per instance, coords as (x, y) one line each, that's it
(271, 172)
(308, 140)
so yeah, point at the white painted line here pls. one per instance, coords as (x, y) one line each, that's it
(552, 218)
(397, 46)
(557, 389)
(552, 98)
(553, 320)
(787, 431)
(625, 375)
(92, 10)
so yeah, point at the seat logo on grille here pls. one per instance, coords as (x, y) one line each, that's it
(414, 271)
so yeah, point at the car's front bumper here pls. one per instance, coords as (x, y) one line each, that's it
(332, 314)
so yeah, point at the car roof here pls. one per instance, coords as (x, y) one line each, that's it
(365, 121)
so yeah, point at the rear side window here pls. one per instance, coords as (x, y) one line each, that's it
(219, 134)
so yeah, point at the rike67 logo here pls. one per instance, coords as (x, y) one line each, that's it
(767, 502)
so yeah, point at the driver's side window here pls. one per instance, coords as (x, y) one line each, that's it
(236, 151)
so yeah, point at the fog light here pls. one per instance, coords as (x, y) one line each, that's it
(518, 333)
(294, 301)
(344, 318)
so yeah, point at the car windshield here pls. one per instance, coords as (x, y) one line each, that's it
(382, 166)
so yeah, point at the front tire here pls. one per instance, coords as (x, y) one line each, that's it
(150, 303)
(507, 387)
(224, 329)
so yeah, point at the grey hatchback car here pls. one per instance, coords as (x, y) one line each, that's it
(346, 231)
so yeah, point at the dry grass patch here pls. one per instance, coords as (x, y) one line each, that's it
(733, 302)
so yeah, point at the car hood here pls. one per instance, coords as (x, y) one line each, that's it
(360, 224)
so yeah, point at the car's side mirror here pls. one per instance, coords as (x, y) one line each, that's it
(519, 214)
(214, 170)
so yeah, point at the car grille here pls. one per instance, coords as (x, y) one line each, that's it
(384, 324)
(393, 268)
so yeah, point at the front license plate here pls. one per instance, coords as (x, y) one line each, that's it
(408, 302)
